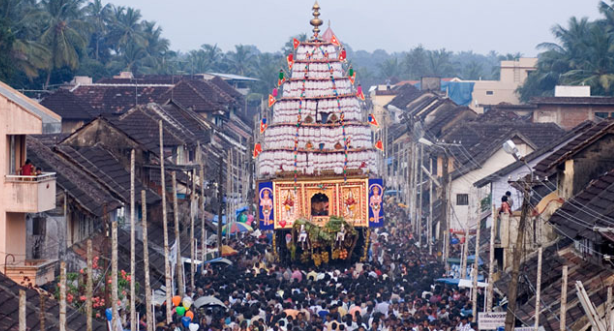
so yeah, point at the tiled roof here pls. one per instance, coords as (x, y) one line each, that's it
(406, 94)
(114, 99)
(199, 96)
(69, 106)
(536, 154)
(104, 166)
(594, 278)
(9, 313)
(588, 134)
(78, 184)
(442, 118)
(227, 88)
(593, 206)
(608, 101)
(481, 140)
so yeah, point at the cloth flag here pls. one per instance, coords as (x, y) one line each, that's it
(353, 78)
(295, 43)
(379, 145)
(335, 41)
(372, 120)
(263, 125)
(290, 59)
(272, 100)
(257, 150)
(343, 55)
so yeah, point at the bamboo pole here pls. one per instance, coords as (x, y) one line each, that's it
(177, 236)
(148, 301)
(89, 286)
(609, 315)
(538, 287)
(491, 265)
(476, 263)
(41, 313)
(62, 296)
(133, 325)
(420, 194)
(430, 223)
(192, 237)
(201, 207)
(465, 254)
(220, 198)
(563, 314)
(114, 289)
(22, 310)
(167, 266)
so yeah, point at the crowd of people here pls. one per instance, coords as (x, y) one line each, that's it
(394, 290)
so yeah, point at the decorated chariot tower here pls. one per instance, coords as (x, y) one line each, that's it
(316, 166)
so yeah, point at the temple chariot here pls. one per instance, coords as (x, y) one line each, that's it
(316, 164)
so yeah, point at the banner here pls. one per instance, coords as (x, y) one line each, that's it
(491, 321)
(376, 203)
(265, 205)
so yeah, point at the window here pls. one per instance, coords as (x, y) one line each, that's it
(462, 199)
(490, 92)
(601, 114)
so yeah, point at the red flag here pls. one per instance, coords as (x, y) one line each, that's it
(290, 59)
(272, 100)
(379, 145)
(361, 95)
(263, 125)
(281, 81)
(353, 78)
(372, 120)
(257, 150)
(343, 55)
(335, 41)
(295, 43)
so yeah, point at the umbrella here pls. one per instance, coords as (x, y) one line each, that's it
(237, 227)
(240, 210)
(228, 251)
(219, 260)
(208, 301)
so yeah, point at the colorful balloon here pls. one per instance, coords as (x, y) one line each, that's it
(193, 327)
(180, 311)
(185, 321)
(189, 314)
(176, 300)
(109, 313)
(242, 218)
(187, 302)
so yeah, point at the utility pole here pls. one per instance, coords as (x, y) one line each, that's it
(491, 265)
(538, 287)
(192, 236)
(250, 171)
(220, 198)
(444, 233)
(476, 264)
(563, 314)
(148, 300)
(201, 208)
(62, 319)
(430, 220)
(167, 265)
(89, 287)
(114, 284)
(513, 286)
(132, 248)
(465, 254)
(420, 194)
(22, 310)
(179, 264)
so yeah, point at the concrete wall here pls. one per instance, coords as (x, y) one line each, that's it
(568, 116)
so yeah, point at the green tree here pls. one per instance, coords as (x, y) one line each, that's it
(439, 63)
(415, 62)
(63, 21)
(98, 16)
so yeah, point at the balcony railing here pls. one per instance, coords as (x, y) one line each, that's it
(31, 272)
(29, 194)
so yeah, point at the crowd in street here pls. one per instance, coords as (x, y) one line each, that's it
(394, 290)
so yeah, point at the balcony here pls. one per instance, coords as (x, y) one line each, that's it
(29, 194)
(31, 272)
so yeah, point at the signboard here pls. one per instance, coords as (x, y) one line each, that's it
(529, 328)
(266, 214)
(491, 321)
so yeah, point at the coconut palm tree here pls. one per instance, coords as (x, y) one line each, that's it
(126, 29)
(62, 19)
(98, 16)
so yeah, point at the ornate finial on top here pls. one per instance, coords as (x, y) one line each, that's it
(316, 21)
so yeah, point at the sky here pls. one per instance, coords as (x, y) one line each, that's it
(506, 26)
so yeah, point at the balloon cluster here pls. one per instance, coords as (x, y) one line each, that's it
(182, 308)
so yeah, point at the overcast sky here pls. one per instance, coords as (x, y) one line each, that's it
(393, 25)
